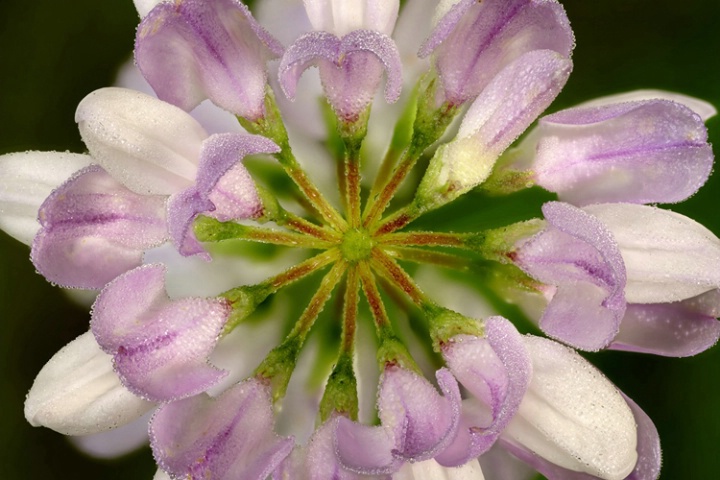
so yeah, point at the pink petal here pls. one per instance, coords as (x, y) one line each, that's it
(160, 346)
(94, 229)
(225, 438)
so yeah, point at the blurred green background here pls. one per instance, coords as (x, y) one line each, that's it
(53, 53)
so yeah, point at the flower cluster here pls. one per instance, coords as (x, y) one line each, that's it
(163, 219)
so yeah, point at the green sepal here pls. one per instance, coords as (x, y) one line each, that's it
(341, 390)
(244, 301)
(278, 366)
(446, 323)
(392, 351)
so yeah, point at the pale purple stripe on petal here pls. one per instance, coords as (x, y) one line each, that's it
(474, 41)
(221, 178)
(496, 370)
(639, 152)
(225, 438)
(580, 256)
(94, 229)
(678, 329)
(197, 49)
(160, 346)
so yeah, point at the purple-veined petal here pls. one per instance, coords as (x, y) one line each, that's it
(496, 370)
(572, 417)
(508, 105)
(224, 438)
(26, 180)
(678, 329)
(350, 68)
(341, 17)
(701, 107)
(416, 423)
(148, 145)
(159, 346)
(474, 41)
(579, 256)
(94, 229)
(196, 49)
(223, 187)
(431, 470)
(639, 152)
(78, 393)
(648, 445)
(668, 256)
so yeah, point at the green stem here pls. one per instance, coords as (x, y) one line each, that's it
(211, 230)
(272, 127)
(420, 255)
(341, 390)
(277, 367)
(425, 239)
(245, 299)
(394, 273)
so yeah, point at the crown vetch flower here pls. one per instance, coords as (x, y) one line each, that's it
(351, 47)
(159, 346)
(416, 423)
(227, 437)
(190, 50)
(474, 41)
(645, 151)
(614, 275)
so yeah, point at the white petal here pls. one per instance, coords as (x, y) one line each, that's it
(144, 6)
(26, 180)
(668, 256)
(148, 145)
(117, 442)
(341, 17)
(78, 393)
(431, 470)
(161, 475)
(573, 416)
(701, 107)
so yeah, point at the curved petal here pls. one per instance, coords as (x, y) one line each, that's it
(94, 229)
(648, 446)
(580, 256)
(416, 423)
(77, 392)
(148, 145)
(223, 187)
(204, 437)
(197, 49)
(679, 329)
(701, 107)
(668, 256)
(144, 6)
(496, 370)
(160, 347)
(638, 152)
(350, 68)
(26, 180)
(474, 41)
(573, 417)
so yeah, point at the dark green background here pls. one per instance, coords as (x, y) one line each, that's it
(52, 53)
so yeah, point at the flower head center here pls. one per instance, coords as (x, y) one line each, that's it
(356, 245)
